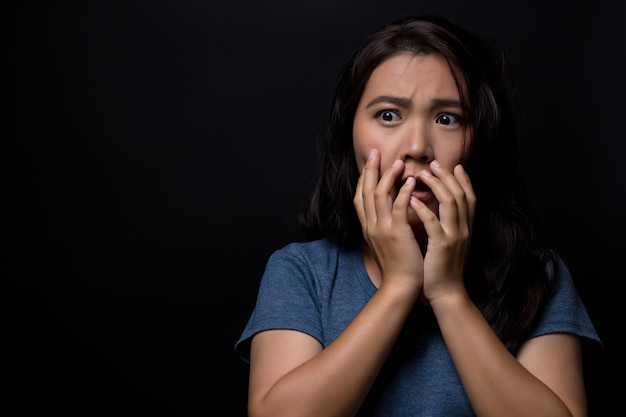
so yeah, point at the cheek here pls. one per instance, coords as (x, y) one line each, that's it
(361, 144)
(367, 136)
(360, 154)
(363, 149)
(452, 154)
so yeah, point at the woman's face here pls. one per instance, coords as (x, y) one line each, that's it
(411, 110)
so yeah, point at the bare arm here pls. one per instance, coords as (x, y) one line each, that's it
(546, 377)
(544, 380)
(290, 374)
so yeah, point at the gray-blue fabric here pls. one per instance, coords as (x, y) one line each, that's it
(317, 288)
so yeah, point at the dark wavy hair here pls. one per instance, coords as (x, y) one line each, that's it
(506, 272)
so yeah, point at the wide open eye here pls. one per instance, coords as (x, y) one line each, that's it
(388, 116)
(448, 119)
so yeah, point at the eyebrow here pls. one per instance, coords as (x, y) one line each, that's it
(405, 102)
(402, 102)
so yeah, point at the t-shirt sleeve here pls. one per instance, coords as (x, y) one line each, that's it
(287, 299)
(565, 311)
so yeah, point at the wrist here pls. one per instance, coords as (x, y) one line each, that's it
(450, 300)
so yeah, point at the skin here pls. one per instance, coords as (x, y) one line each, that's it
(416, 249)
(406, 124)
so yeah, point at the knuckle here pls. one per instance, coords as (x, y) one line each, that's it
(429, 216)
(459, 195)
(447, 199)
(379, 194)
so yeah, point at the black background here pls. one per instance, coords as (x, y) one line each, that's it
(154, 151)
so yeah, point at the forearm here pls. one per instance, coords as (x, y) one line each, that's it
(492, 377)
(336, 381)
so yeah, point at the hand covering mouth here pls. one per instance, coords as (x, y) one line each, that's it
(419, 185)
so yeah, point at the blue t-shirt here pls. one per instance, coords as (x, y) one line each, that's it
(318, 288)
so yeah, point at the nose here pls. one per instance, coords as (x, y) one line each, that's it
(416, 145)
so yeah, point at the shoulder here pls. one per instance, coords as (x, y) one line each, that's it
(319, 268)
(563, 287)
(564, 311)
(318, 246)
(315, 252)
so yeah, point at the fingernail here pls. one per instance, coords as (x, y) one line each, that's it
(397, 163)
(435, 163)
(372, 153)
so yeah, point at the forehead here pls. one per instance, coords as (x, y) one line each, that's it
(407, 74)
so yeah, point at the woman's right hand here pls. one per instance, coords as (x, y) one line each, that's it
(385, 224)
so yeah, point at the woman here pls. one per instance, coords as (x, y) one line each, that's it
(422, 289)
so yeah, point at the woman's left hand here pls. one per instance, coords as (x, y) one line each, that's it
(449, 233)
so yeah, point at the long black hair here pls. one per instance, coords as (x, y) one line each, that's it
(506, 268)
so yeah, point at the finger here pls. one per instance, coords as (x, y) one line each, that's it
(450, 181)
(401, 203)
(370, 182)
(429, 219)
(470, 196)
(447, 213)
(358, 200)
(451, 197)
(383, 196)
(459, 186)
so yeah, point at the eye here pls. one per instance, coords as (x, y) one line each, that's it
(388, 116)
(448, 119)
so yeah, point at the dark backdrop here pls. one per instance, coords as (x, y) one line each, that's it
(153, 152)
